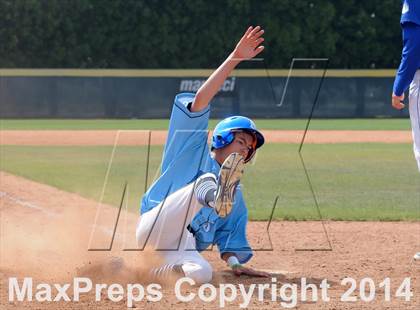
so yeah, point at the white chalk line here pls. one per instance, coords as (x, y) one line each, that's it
(27, 204)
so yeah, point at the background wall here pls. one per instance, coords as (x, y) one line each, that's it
(149, 93)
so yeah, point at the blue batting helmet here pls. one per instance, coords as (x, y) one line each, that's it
(224, 133)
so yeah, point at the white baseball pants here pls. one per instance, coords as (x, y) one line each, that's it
(414, 108)
(164, 229)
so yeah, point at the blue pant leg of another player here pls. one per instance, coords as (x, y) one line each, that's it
(414, 108)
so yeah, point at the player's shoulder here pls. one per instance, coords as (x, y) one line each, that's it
(184, 98)
(183, 102)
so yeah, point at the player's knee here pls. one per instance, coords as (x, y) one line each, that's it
(201, 272)
(204, 275)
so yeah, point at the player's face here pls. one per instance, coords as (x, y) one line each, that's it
(243, 143)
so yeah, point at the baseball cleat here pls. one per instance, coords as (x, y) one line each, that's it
(229, 177)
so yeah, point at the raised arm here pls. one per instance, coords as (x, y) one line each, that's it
(248, 47)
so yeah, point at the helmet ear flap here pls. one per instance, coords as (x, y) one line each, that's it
(229, 137)
(219, 141)
(223, 139)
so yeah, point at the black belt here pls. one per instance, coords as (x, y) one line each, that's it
(189, 228)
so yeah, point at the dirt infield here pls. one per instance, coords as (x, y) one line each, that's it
(45, 234)
(158, 137)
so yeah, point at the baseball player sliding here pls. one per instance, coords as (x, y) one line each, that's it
(197, 200)
(408, 74)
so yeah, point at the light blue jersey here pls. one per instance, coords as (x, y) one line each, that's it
(185, 158)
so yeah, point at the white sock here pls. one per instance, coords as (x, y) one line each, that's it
(166, 271)
(205, 189)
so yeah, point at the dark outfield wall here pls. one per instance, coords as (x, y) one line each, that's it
(52, 94)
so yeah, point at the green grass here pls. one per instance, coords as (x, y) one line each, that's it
(350, 181)
(156, 124)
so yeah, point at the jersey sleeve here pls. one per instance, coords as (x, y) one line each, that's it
(234, 241)
(410, 58)
(186, 129)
